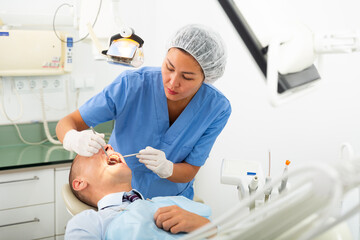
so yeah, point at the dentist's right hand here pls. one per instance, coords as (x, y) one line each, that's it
(84, 143)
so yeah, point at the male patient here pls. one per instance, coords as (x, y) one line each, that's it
(122, 211)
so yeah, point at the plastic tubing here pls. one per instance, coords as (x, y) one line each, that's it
(45, 123)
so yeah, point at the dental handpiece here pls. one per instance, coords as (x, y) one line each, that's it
(285, 179)
(268, 190)
(101, 146)
(253, 185)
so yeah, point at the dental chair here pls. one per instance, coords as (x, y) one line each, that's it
(75, 206)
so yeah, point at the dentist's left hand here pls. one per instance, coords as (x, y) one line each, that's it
(156, 161)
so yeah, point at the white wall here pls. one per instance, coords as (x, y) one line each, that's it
(306, 130)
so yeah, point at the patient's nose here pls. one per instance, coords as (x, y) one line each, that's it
(108, 147)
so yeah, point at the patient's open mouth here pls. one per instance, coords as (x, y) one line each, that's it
(114, 159)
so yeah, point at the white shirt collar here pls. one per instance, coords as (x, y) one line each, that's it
(114, 199)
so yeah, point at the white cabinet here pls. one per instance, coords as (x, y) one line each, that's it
(27, 222)
(31, 206)
(62, 215)
(26, 188)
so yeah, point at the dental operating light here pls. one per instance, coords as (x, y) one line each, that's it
(287, 59)
(278, 82)
(125, 48)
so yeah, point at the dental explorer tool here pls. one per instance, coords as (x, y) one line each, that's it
(284, 180)
(130, 155)
(101, 146)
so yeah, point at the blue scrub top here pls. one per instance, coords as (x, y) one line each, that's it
(137, 102)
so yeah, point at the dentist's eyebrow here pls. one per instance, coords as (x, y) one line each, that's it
(170, 63)
(181, 72)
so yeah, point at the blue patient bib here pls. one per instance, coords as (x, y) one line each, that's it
(137, 220)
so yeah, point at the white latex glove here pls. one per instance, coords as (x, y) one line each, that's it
(156, 161)
(84, 143)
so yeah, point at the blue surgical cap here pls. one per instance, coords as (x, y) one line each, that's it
(205, 45)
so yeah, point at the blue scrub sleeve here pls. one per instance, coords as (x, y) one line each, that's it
(107, 104)
(202, 148)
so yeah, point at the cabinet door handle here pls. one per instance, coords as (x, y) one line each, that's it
(18, 223)
(22, 180)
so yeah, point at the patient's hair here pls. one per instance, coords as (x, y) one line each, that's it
(74, 170)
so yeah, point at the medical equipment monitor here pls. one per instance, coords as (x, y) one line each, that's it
(259, 53)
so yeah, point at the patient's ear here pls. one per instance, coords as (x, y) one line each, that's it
(79, 184)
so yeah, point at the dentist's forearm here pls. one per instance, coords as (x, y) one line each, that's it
(183, 172)
(71, 121)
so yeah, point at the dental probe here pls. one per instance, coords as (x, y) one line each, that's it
(129, 155)
(101, 146)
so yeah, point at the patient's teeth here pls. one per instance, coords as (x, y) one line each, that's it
(113, 159)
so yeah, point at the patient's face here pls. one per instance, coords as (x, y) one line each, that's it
(101, 172)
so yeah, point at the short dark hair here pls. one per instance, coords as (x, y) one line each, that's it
(74, 169)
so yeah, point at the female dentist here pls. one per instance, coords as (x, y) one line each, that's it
(172, 113)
